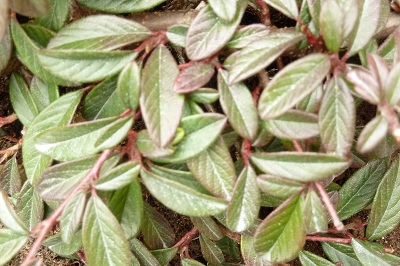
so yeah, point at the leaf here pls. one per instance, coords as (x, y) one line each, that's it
(81, 140)
(193, 77)
(31, 8)
(341, 253)
(10, 178)
(247, 35)
(331, 23)
(238, 104)
(99, 32)
(164, 256)
(161, 106)
(368, 256)
(128, 86)
(71, 217)
(204, 95)
(190, 262)
(385, 211)
(250, 257)
(225, 10)
(30, 207)
(278, 187)
(281, 236)
(142, 253)
(103, 100)
(180, 198)
(82, 66)
(149, 149)
(350, 9)
(359, 190)
(9, 217)
(101, 230)
(294, 124)
(10, 244)
(21, 100)
(207, 227)
(43, 93)
(118, 177)
(302, 167)
(214, 169)
(39, 35)
(211, 252)
(260, 53)
(5, 39)
(310, 259)
(56, 244)
(392, 85)
(245, 203)
(177, 35)
(315, 215)
(207, 28)
(372, 134)
(365, 84)
(337, 117)
(3, 22)
(287, 7)
(157, 232)
(122, 6)
(59, 112)
(200, 132)
(57, 16)
(292, 84)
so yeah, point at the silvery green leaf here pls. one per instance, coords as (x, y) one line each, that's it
(287, 7)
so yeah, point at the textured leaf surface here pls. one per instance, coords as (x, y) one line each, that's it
(30, 207)
(292, 84)
(149, 149)
(9, 217)
(56, 244)
(310, 259)
(287, 7)
(164, 256)
(193, 77)
(248, 34)
(57, 16)
(122, 6)
(331, 22)
(224, 9)
(369, 256)
(128, 86)
(142, 253)
(43, 93)
(118, 177)
(10, 244)
(70, 219)
(190, 262)
(372, 134)
(249, 254)
(10, 178)
(31, 8)
(204, 95)
(208, 227)
(211, 252)
(5, 39)
(161, 106)
(177, 35)
(278, 187)
(341, 253)
(315, 215)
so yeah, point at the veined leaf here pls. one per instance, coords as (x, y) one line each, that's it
(287, 7)
(70, 219)
(204, 95)
(359, 190)
(118, 177)
(211, 252)
(250, 256)
(161, 106)
(208, 33)
(128, 86)
(43, 93)
(331, 22)
(5, 38)
(30, 207)
(57, 16)
(84, 66)
(142, 253)
(365, 84)
(9, 217)
(310, 259)
(190, 262)
(226, 10)
(238, 104)
(302, 167)
(99, 32)
(245, 203)
(341, 253)
(350, 9)
(247, 35)
(385, 211)
(260, 53)
(278, 187)
(101, 231)
(392, 85)
(149, 149)
(10, 244)
(31, 8)
(207, 227)
(164, 256)
(292, 84)
(315, 215)
(80, 140)
(372, 134)
(177, 35)
(10, 178)
(281, 236)
(58, 113)
(180, 198)
(39, 35)
(56, 244)
(193, 77)
(369, 256)
(122, 6)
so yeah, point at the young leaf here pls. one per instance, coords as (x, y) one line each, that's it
(180, 198)
(359, 190)
(82, 66)
(260, 53)
(101, 231)
(337, 118)
(161, 106)
(365, 84)
(43, 93)
(10, 178)
(40, 35)
(287, 7)
(207, 28)
(331, 22)
(302, 167)
(142, 253)
(128, 86)
(30, 207)
(310, 259)
(10, 244)
(58, 113)
(292, 84)
(204, 95)
(193, 77)
(315, 215)
(238, 104)
(385, 211)
(177, 35)
(247, 35)
(57, 16)
(245, 203)
(372, 134)
(164, 256)
(149, 149)
(5, 40)
(157, 232)
(250, 257)
(99, 32)
(278, 187)
(31, 8)
(369, 256)
(392, 86)
(122, 6)
(70, 219)
(9, 217)
(81, 140)
(211, 252)
(207, 227)
(118, 177)
(281, 236)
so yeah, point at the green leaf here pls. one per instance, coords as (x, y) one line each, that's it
(30, 207)
(260, 53)
(245, 203)
(21, 100)
(207, 227)
(249, 254)
(58, 15)
(10, 178)
(369, 256)
(337, 117)
(211, 252)
(31, 8)
(9, 217)
(5, 38)
(56, 244)
(101, 231)
(315, 215)
(278, 187)
(118, 177)
(142, 253)
(103, 100)
(238, 104)
(287, 7)
(302, 167)
(180, 198)
(392, 86)
(331, 22)
(40, 35)
(164, 256)
(84, 66)
(204, 95)
(190, 262)
(59, 112)
(341, 253)
(149, 149)
(43, 93)
(71, 217)
(372, 134)
(247, 35)
(157, 232)
(161, 106)
(121, 6)
(128, 86)
(3, 22)
(193, 77)
(385, 211)
(281, 236)
(81, 140)
(99, 32)
(292, 84)
(208, 28)
(310, 259)
(177, 35)
(350, 9)
(225, 10)
(214, 169)
(359, 190)
(10, 244)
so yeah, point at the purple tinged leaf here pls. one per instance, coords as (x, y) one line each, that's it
(278, 187)
(315, 215)
(315, 10)
(10, 244)
(331, 24)
(9, 217)
(128, 86)
(287, 7)
(350, 9)
(379, 68)
(365, 84)
(247, 35)
(211, 252)
(124, 6)
(193, 77)
(372, 134)
(392, 85)
(10, 178)
(5, 44)
(264, 136)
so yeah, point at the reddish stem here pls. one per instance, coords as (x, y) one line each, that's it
(186, 239)
(265, 17)
(297, 146)
(8, 119)
(329, 239)
(246, 151)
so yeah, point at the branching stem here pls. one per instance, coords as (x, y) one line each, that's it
(329, 239)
